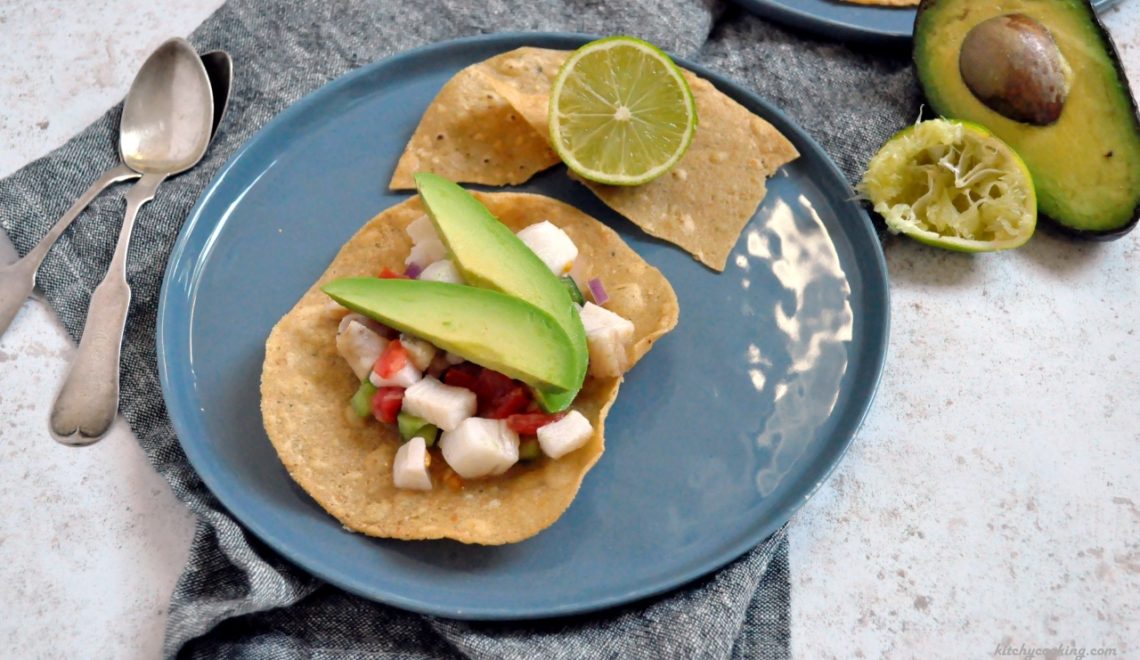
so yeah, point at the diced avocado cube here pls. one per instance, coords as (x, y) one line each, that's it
(362, 400)
(412, 426)
(573, 290)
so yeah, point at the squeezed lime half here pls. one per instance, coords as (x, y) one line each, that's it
(954, 185)
(621, 112)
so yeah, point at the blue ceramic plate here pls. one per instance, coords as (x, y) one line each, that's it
(842, 20)
(719, 434)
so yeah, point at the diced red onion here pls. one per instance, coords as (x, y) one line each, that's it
(598, 291)
(413, 270)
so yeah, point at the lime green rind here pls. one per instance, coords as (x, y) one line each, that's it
(885, 174)
(959, 244)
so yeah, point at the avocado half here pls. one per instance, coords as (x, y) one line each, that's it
(1086, 164)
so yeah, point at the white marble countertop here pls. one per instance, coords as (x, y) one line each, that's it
(990, 498)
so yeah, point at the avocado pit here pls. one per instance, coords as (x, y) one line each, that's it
(1012, 64)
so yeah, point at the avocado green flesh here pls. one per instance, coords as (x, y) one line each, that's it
(488, 328)
(489, 255)
(1086, 166)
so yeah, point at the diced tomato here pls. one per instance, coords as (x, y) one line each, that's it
(389, 274)
(464, 374)
(393, 359)
(386, 403)
(499, 396)
(492, 385)
(530, 423)
(513, 402)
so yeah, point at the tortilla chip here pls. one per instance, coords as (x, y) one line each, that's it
(524, 77)
(345, 463)
(471, 134)
(703, 203)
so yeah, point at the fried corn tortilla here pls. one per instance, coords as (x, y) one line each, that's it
(524, 77)
(345, 463)
(702, 204)
(470, 133)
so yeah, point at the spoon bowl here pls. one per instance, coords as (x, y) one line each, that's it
(165, 125)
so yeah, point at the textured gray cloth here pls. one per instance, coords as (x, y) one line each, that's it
(237, 598)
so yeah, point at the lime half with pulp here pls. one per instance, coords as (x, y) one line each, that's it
(953, 185)
(621, 112)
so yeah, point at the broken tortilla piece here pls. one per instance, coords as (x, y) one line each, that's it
(472, 134)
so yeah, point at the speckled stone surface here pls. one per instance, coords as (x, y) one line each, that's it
(991, 498)
(92, 540)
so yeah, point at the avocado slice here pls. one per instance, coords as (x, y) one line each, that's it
(489, 255)
(1084, 154)
(489, 328)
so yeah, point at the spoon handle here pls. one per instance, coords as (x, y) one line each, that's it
(18, 279)
(86, 405)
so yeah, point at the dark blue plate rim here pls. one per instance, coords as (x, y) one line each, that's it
(832, 28)
(176, 299)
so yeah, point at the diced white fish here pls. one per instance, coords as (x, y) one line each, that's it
(420, 351)
(359, 345)
(452, 358)
(409, 469)
(480, 447)
(552, 246)
(608, 336)
(372, 324)
(406, 376)
(445, 406)
(426, 253)
(443, 270)
(421, 230)
(350, 318)
(564, 436)
(579, 275)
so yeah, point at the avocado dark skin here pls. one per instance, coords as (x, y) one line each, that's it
(1044, 96)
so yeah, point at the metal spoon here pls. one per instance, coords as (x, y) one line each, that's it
(220, 68)
(165, 130)
(17, 279)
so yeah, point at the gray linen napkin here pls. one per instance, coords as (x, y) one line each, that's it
(236, 597)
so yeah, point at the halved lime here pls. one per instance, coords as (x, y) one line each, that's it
(621, 112)
(954, 185)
